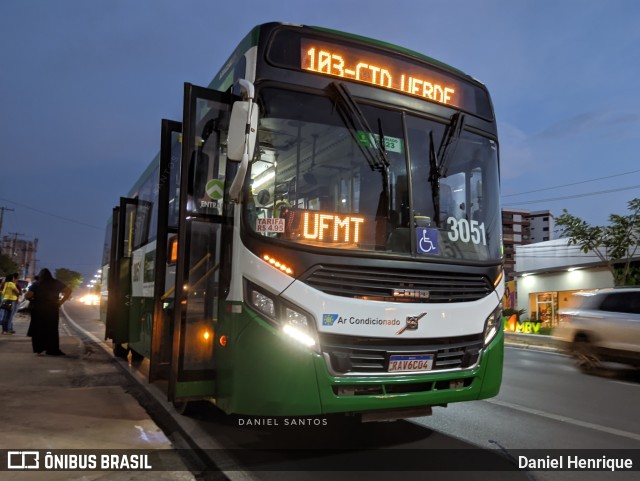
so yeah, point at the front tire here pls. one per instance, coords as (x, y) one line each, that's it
(586, 358)
(120, 351)
(185, 408)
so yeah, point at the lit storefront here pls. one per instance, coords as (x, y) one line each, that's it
(550, 278)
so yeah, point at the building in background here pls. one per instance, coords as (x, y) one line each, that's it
(515, 232)
(541, 226)
(523, 227)
(552, 276)
(23, 252)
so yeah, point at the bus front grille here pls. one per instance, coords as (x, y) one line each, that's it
(398, 285)
(354, 356)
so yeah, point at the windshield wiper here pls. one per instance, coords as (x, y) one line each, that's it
(377, 158)
(438, 162)
(434, 179)
(357, 122)
(449, 143)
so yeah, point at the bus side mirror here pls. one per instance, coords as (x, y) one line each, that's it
(238, 126)
(241, 140)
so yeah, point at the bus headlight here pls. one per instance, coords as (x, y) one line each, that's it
(493, 324)
(263, 303)
(291, 319)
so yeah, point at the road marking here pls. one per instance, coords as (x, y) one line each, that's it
(519, 347)
(565, 419)
(625, 383)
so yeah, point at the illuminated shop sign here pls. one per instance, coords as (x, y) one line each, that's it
(528, 327)
(380, 70)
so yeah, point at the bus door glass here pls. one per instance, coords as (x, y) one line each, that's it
(124, 216)
(202, 190)
(166, 255)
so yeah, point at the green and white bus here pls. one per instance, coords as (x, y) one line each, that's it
(320, 234)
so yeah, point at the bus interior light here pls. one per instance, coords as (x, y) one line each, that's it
(173, 250)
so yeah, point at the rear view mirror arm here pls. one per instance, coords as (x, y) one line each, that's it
(250, 130)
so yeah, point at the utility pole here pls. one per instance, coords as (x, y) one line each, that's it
(2, 209)
(15, 241)
(14, 253)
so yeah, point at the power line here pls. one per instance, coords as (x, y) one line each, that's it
(573, 183)
(576, 196)
(52, 215)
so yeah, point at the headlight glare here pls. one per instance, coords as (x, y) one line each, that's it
(299, 335)
(282, 314)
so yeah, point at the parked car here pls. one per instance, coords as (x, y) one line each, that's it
(604, 328)
(24, 303)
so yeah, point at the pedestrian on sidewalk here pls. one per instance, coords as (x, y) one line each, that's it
(45, 296)
(10, 294)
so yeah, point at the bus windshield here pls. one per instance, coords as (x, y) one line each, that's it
(331, 173)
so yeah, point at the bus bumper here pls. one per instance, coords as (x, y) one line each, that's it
(375, 393)
(273, 376)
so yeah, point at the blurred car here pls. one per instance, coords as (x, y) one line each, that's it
(24, 285)
(604, 328)
(90, 299)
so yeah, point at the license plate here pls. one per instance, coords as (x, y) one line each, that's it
(410, 362)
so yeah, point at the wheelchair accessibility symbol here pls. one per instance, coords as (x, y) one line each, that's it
(427, 240)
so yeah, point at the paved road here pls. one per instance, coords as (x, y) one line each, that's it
(545, 403)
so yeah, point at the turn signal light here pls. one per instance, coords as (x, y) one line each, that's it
(277, 264)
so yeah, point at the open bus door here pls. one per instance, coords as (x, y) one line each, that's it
(201, 218)
(166, 252)
(119, 280)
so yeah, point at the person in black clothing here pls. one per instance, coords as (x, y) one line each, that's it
(45, 296)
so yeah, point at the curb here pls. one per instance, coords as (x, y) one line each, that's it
(534, 342)
(185, 429)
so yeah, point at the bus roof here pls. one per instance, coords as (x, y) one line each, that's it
(223, 79)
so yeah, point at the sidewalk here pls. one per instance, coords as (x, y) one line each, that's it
(71, 402)
(533, 341)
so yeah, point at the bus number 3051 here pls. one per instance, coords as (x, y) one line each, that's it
(467, 231)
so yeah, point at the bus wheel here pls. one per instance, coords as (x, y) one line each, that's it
(184, 408)
(120, 351)
(135, 357)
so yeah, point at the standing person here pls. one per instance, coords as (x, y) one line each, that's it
(10, 294)
(45, 298)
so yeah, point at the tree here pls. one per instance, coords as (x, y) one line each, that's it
(616, 244)
(7, 266)
(72, 279)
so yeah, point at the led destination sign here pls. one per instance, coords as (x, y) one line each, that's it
(380, 70)
(376, 64)
(323, 226)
